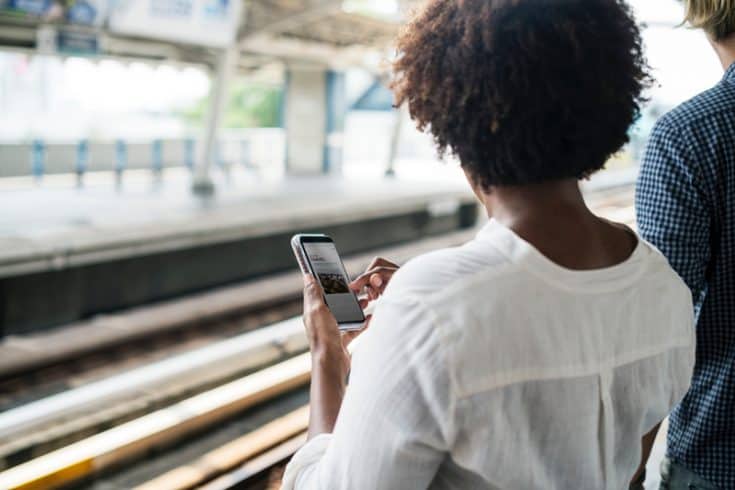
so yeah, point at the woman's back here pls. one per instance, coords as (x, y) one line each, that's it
(523, 373)
(562, 370)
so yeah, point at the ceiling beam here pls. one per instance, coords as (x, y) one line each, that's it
(296, 50)
(311, 13)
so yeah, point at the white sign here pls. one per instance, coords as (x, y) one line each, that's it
(211, 23)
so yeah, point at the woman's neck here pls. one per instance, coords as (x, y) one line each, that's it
(517, 206)
(554, 218)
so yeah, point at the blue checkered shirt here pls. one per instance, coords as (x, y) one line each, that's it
(686, 207)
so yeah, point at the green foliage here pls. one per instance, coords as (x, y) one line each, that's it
(250, 105)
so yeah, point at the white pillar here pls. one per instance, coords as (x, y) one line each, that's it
(226, 62)
(314, 120)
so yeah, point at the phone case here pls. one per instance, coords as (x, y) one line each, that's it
(296, 246)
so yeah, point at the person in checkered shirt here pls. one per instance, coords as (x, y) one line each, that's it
(686, 208)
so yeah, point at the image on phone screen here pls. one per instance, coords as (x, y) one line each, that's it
(327, 266)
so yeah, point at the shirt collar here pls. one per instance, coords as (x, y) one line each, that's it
(522, 253)
(730, 73)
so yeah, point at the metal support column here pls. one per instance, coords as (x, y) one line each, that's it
(395, 139)
(203, 184)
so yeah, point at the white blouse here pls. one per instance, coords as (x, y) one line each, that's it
(488, 366)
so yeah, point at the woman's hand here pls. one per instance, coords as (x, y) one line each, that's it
(330, 360)
(374, 280)
(322, 330)
(329, 355)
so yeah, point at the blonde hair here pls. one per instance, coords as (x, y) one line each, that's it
(716, 17)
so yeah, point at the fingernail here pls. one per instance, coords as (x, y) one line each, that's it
(378, 281)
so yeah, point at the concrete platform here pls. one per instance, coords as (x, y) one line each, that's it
(67, 254)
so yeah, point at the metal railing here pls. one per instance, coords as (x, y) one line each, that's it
(251, 149)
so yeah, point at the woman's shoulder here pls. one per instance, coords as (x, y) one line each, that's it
(438, 270)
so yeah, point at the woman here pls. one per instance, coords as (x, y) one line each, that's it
(540, 354)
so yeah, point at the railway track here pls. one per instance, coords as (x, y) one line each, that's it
(87, 402)
(26, 387)
(110, 344)
(179, 422)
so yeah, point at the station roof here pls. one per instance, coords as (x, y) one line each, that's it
(331, 32)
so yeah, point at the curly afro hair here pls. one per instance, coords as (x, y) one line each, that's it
(523, 91)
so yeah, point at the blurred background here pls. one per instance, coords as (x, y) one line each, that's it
(155, 158)
(96, 74)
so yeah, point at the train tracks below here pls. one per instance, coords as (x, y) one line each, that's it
(134, 387)
(131, 440)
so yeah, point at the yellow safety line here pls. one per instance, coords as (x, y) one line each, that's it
(57, 478)
(85, 457)
(232, 454)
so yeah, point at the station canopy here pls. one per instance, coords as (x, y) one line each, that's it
(329, 32)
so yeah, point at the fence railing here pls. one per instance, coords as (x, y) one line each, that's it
(257, 148)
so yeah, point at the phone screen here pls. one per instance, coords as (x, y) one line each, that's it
(327, 266)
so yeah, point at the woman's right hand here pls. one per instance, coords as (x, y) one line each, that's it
(374, 280)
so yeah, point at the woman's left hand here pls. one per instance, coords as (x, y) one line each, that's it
(326, 341)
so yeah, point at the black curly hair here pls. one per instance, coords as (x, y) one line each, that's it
(523, 91)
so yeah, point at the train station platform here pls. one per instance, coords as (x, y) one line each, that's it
(68, 254)
(148, 395)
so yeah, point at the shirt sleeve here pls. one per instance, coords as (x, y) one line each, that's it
(672, 208)
(395, 424)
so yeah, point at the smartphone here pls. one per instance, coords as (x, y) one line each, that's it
(317, 255)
